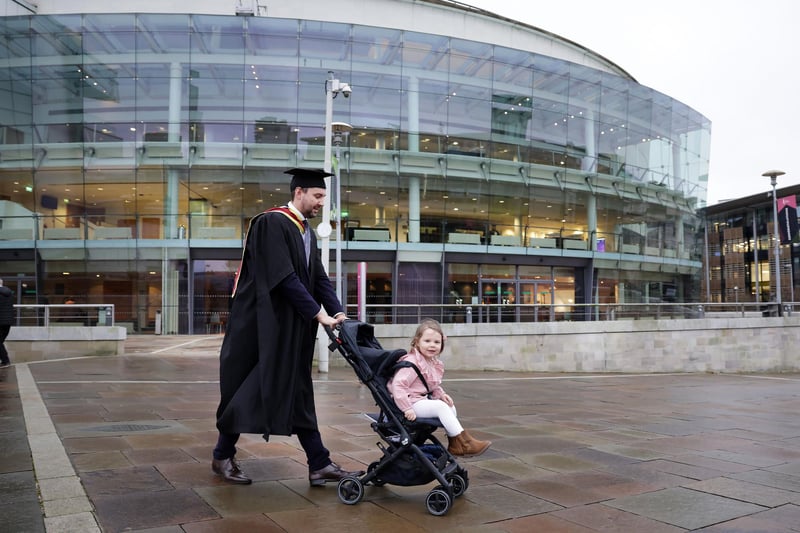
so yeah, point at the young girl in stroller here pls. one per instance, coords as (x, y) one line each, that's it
(420, 394)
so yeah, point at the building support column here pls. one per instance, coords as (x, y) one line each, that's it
(589, 161)
(170, 286)
(677, 163)
(413, 209)
(591, 221)
(413, 146)
(173, 136)
(413, 114)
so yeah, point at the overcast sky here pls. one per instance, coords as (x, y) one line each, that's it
(735, 61)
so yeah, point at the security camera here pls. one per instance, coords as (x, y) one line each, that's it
(346, 90)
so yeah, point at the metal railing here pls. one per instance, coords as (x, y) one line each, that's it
(492, 313)
(65, 315)
(47, 315)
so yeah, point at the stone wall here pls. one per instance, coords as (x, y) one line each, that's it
(750, 344)
(30, 343)
(699, 345)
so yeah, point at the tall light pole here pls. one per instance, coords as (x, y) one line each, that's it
(773, 176)
(340, 130)
(333, 88)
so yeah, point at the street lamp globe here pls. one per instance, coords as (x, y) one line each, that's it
(773, 175)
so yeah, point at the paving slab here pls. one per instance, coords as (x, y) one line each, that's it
(20, 507)
(124, 443)
(685, 508)
(784, 519)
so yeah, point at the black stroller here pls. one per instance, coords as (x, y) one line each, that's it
(411, 454)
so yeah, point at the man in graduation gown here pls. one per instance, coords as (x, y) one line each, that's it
(281, 294)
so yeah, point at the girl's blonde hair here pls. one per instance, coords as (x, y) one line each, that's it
(428, 323)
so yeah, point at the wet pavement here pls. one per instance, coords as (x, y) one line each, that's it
(123, 443)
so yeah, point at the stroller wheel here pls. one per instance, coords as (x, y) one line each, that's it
(459, 484)
(351, 490)
(438, 501)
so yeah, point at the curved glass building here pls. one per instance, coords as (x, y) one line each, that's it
(483, 162)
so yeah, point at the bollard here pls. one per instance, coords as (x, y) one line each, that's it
(469, 315)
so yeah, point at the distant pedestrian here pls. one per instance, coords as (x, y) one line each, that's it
(6, 319)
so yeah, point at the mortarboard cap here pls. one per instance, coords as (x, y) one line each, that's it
(307, 177)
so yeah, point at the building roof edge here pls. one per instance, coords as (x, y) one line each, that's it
(483, 12)
(751, 201)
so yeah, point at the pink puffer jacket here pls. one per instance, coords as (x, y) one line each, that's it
(407, 388)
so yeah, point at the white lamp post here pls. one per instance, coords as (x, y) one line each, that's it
(340, 130)
(773, 176)
(333, 88)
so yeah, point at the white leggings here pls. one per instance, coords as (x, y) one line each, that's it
(442, 411)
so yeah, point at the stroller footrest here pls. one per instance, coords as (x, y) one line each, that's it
(376, 417)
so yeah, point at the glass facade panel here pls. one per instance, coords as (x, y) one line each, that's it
(275, 38)
(157, 137)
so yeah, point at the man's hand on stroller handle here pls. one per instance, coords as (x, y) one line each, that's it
(326, 320)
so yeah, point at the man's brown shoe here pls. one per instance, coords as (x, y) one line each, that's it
(230, 471)
(332, 472)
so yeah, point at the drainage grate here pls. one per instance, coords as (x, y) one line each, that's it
(126, 428)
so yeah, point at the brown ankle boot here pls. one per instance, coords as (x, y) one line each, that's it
(465, 444)
(455, 445)
(475, 446)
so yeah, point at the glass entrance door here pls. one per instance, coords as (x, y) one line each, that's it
(499, 299)
(509, 312)
(538, 297)
(516, 300)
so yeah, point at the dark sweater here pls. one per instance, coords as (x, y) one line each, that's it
(6, 306)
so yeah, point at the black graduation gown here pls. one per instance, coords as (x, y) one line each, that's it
(268, 348)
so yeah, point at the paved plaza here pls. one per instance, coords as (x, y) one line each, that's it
(123, 443)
